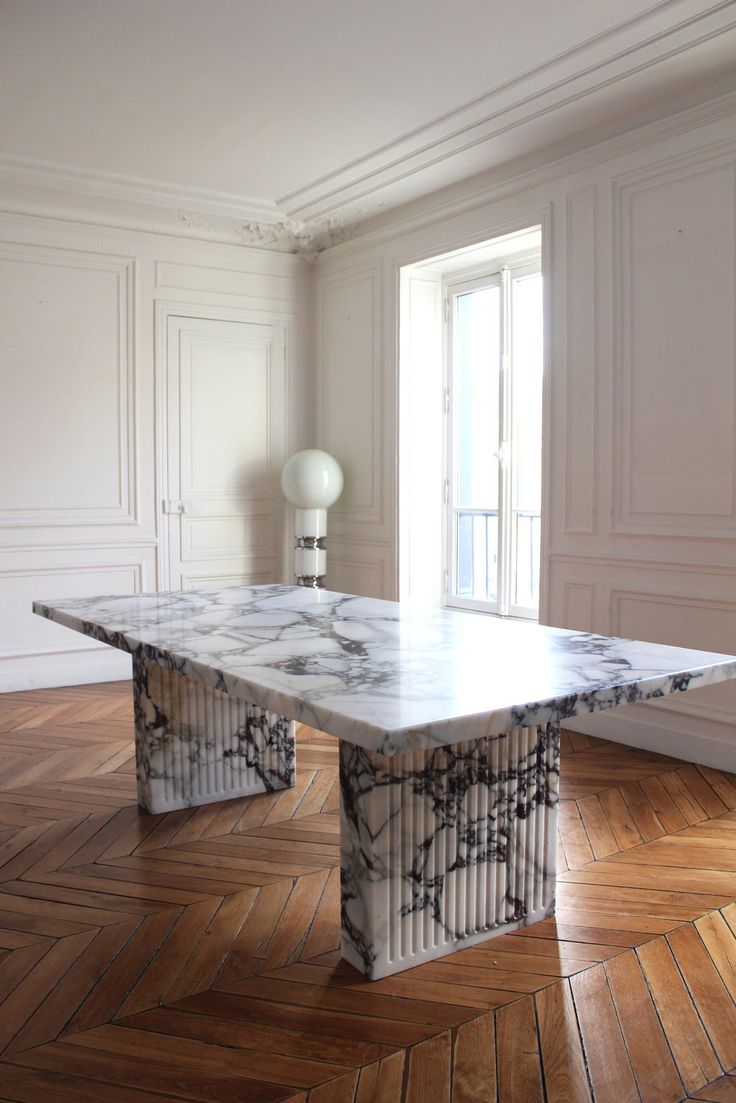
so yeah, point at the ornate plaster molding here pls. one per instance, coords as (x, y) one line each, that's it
(307, 239)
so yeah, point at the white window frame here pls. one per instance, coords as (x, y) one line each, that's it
(501, 275)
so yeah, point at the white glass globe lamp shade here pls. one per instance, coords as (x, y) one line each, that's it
(312, 480)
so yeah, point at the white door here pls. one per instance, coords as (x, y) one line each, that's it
(224, 514)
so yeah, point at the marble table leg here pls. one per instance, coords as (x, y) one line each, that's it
(196, 745)
(445, 848)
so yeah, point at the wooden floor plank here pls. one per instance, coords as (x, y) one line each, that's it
(720, 942)
(182, 1083)
(192, 1053)
(565, 1074)
(696, 1061)
(722, 784)
(22, 1003)
(25, 1085)
(715, 1006)
(654, 1068)
(247, 1034)
(172, 956)
(474, 1062)
(608, 1062)
(722, 1090)
(643, 814)
(574, 838)
(384, 1080)
(52, 1015)
(429, 1071)
(600, 836)
(517, 1053)
(106, 996)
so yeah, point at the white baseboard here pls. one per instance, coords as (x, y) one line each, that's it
(44, 671)
(707, 742)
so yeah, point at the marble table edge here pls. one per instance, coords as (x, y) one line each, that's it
(402, 739)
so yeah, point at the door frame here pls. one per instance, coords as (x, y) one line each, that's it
(164, 310)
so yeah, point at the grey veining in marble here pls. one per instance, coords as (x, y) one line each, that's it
(446, 847)
(195, 745)
(389, 678)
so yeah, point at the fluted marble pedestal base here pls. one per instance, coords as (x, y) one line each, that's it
(445, 848)
(196, 745)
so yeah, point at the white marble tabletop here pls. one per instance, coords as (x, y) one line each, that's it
(385, 676)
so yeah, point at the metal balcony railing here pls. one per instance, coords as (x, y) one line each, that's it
(477, 541)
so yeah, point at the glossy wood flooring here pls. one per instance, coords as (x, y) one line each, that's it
(193, 956)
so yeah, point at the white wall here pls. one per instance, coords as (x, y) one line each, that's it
(82, 343)
(639, 255)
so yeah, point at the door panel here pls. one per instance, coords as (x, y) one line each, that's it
(226, 445)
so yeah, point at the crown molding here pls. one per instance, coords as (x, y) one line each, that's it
(113, 199)
(467, 134)
(521, 177)
(53, 176)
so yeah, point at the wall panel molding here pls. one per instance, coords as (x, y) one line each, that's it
(711, 626)
(351, 398)
(126, 509)
(261, 542)
(354, 574)
(228, 282)
(674, 230)
(578, 602)
(649, 564)
(134, 570)
(581, 376)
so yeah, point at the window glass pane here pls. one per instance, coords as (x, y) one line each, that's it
(526, 345)
(476, 439)
(476, 396)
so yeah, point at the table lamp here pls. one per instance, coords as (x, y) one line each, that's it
(312, 481)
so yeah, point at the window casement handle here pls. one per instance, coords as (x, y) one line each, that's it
(502, 455)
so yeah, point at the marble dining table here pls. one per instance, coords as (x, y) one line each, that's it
(449, 736)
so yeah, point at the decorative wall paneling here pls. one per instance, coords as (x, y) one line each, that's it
(351, 392)
(640, 418)
(354, 425)
(81, 501)
(581, 331)
(421, 439)
(193, 956)
(669, 601)
(70, 470)
(358, 568)
(675, 385)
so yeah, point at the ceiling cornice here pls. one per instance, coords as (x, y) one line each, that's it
(497, 184)
(604, 61)
(135, 189)
(120, 200)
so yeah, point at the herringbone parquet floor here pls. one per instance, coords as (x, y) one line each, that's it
(193, 956)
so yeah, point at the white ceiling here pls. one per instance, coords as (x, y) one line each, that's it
(332, 108)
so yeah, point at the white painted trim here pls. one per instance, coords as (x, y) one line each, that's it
(598, 559)
(41, 671)
(126, 510)
(603, 61)
(31, 172)
(705, 741)
(511, 179)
